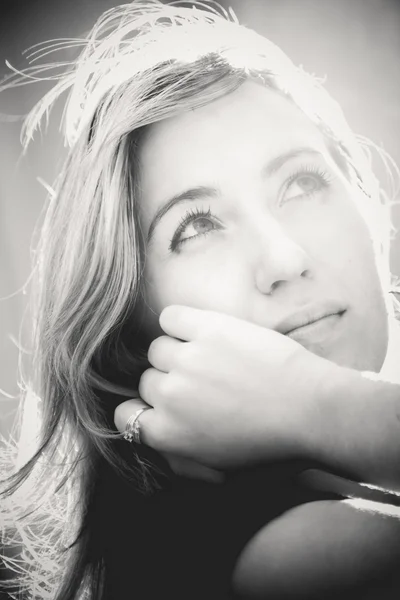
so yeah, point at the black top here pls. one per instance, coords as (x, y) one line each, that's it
(183, 542)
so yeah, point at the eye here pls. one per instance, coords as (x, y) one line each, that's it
(193, 225)
(305, 183)
(201, 225)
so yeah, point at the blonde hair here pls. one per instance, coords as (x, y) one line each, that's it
(141, 63)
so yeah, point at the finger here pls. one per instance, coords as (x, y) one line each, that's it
(187, 323)
(163, 351)
(194, 470)
(151, 386)
(128, 408)
(125, 410)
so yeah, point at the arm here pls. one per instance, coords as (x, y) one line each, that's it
(322, 548)
(354, 428)
(224, 402)
(351, 428)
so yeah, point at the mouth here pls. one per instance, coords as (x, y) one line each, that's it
(310, 319)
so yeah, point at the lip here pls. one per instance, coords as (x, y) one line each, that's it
(308, 316)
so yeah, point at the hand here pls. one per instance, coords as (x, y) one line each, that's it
(226, 392)
(179, 465)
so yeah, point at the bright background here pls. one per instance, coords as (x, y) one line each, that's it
(355, 43)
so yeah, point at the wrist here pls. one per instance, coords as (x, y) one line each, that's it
(300, 420)
(323, 410)
(354, 428)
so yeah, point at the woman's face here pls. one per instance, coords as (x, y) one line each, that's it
(249, 215)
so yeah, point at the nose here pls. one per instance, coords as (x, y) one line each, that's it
(279, 259)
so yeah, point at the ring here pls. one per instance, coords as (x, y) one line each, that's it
(132, 428)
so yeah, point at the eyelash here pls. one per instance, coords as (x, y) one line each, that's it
(189, 216)
(322, 176)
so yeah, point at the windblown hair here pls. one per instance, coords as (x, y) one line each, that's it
(141, 63)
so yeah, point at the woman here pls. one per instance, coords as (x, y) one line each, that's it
(206, 171)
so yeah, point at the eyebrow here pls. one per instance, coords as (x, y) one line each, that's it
(201, 192)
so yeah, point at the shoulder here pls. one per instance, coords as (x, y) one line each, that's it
(188, 537)
(320, 548)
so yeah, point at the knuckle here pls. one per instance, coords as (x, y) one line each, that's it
(157, 434)
(154, 348)
(166, 387)
(145, 384)
(214, 327)
(147, 428)
(188, 357)
(151, 351)
(119, 420)
(208, 329)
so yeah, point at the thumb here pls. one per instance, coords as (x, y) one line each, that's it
(194, 470)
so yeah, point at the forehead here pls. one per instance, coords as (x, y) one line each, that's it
(229, 138)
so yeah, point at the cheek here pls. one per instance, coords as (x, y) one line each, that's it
(339, 243)
(355, 250)
(338, 236)
(349, 248)
(202, 281)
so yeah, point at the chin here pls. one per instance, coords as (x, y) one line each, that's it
(369, 356)
(365, 352)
